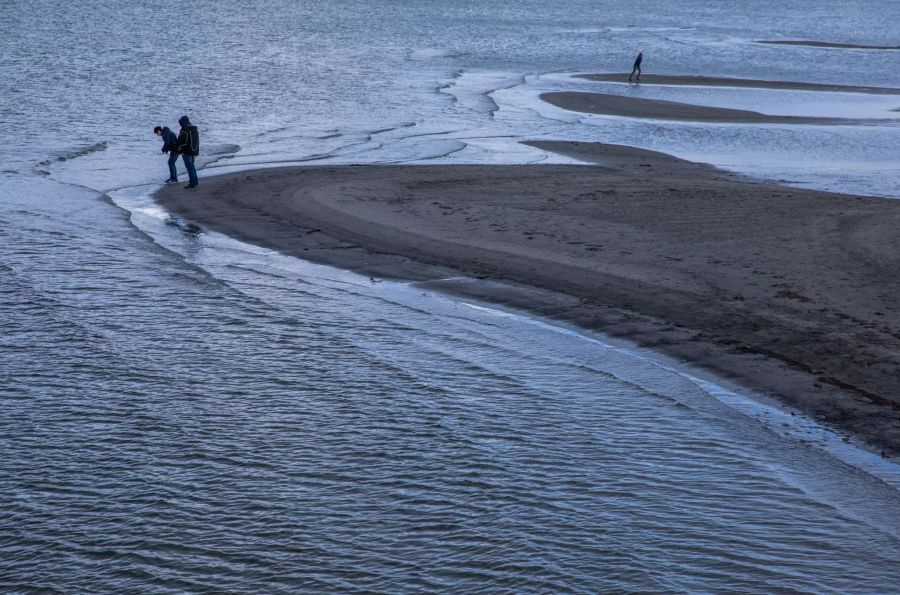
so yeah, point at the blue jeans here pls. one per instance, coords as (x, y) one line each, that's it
(173, 158)
(189, 166)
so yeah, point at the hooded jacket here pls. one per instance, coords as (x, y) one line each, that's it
(168, 138)
(188, 142)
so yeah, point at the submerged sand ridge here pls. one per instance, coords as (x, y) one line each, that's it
(827, 44)
(714, 81)
(658, 109)
(792, 291)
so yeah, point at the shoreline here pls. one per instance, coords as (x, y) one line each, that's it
(783, 290)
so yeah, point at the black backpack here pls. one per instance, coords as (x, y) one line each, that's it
(194, 139)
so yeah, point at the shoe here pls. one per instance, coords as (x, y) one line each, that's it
(191, 186)
(170, 181)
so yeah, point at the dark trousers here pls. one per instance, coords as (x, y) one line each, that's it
(189, 166)
(637, 69)
(173, 158)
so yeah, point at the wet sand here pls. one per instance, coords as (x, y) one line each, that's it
(715, 81)
(790, 291)
(827, 44)
(657, 109)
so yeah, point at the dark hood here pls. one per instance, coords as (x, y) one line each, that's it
(184, 121)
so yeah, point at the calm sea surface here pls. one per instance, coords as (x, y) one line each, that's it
(191, 414)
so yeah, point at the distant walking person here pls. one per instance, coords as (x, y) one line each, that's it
(188, 146)
(637, 66)
(169, 138)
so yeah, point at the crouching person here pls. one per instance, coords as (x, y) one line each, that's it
(169, 138)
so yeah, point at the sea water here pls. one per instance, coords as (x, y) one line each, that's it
(185, 412)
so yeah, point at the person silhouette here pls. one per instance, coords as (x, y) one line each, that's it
(637, 66)
(188, 146)
(169, 139)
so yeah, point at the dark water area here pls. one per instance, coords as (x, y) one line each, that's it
(185, 413)
(238, 421)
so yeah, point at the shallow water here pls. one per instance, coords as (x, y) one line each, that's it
(187, 413)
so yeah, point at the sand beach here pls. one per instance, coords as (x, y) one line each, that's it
(789, 291)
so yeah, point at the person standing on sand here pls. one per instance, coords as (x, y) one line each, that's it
(188, 145)
(168, 138)
(637, 66)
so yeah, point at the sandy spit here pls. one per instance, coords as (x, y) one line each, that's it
(790, 291)
(657, 109)
(716, 81)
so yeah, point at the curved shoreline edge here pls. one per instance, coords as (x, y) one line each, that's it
(788, 291)
(718, 81)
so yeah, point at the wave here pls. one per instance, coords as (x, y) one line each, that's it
(82, 152)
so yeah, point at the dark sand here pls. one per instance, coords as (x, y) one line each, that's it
(790, 291)
(657, 109)
(716, 81)
(827, 44)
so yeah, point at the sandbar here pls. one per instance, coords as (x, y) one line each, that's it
(658, 109)
(827, 44)
(718, 81)
(790, 291)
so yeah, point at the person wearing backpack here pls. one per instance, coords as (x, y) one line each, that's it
(188, 146)
(637, 66)
(169, 138)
